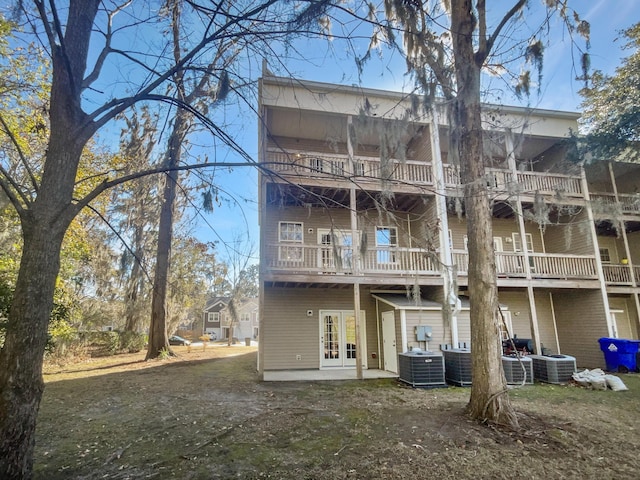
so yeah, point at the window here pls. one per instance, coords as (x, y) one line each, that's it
(386, 240)
(358, 169)
(605, 256)
(517, 242)
(290, 232)
(213, 317)
(245, 317)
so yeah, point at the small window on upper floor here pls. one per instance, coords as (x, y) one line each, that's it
(605, 256)
(290, 232)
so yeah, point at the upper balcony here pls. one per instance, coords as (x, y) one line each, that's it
(390, 262)
(605, 205)
(411, 175)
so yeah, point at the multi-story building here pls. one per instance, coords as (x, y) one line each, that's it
(217, 319)
(363, 232)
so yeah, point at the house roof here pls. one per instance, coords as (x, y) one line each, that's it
(213, 301)
(402, 302)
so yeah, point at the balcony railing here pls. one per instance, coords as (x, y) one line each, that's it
(328, 260)
(542, 265)
(321, 259)
(626, 203)
(414, 172)
(312, 164)
(617, 274)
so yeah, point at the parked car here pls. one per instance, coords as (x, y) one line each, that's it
(176, 340)
(213, 336)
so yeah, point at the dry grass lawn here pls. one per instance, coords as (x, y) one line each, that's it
(205, 415)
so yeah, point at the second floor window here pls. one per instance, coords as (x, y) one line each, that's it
(605, 256)
(213, 317)
(290, 235)
(245, 317)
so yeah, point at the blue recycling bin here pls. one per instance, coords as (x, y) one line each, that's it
(620, 354)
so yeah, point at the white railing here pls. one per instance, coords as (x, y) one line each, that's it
(413, 172)
(550, 265)
(502, 180)
(542, 265)
(325, 259)
(322, 259)
(550, 183)
(312, 164)
(620, 274)
(627, 202)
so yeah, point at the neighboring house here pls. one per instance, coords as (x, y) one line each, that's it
(345, 235)
(217, 318)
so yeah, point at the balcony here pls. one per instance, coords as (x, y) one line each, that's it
(626, 204)
(619, 274)
(542, 265)
(320, 259)
(391, 261)
(305, 164)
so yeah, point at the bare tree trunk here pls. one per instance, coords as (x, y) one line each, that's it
(44, 223)
(21, 384)
(158, 340)
(489, 399)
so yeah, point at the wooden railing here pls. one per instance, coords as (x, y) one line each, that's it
(308, 164)
(295, 258)
(340, 260)
(550, 183)
(626, 204)
(415, 172)
(542, 265)
(617, 274)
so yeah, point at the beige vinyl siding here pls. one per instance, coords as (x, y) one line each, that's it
(432, 318)
(630, 182)
(502, 227)
(420, 147)
(572, 236)
(287, 331)
(581, 320)
(464, 327)
(518, 305)
(311, 218)
(615, 247)
(634, 248)
(546, 325)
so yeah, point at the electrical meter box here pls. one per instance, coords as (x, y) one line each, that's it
(423, 333)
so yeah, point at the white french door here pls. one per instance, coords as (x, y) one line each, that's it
(338, 341)
(335, 244)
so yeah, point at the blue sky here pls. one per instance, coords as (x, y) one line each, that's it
(333, 64)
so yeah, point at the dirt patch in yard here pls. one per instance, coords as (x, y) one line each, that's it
(205, 415)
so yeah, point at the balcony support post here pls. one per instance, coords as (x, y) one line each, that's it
(355, 254)
(535, 329)
(448, 269)
(596, 252)
(632, 270)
